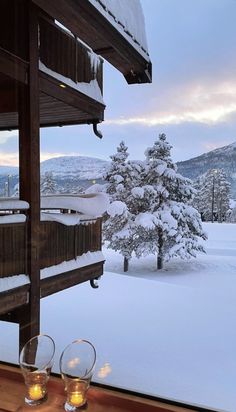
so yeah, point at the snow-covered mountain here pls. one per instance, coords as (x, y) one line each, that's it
(8, 170)
(70, 172)
(221, 158)
(75, 167)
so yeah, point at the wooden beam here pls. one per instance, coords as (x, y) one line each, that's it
(29, 158)
(13, 66)
(8, 101)
(51, 87)
(13, 298)
(54, 284)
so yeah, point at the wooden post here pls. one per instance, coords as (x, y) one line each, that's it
(29, 159)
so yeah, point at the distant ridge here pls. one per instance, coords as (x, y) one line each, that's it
(70, 172)
(9, 170)
(220, 158)
(80, 167)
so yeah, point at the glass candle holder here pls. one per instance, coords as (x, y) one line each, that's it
(36, 360)
(77, 364)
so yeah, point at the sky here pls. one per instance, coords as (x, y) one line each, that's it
(192, 97)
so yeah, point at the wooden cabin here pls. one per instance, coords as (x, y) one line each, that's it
(51, 74)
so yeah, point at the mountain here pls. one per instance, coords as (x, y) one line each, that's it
(70, 172)
(221, 158)
(75, 167)
(8, 170)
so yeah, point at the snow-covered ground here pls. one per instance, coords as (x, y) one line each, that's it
(170, 334)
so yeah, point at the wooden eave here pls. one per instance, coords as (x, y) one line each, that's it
(58, 107)
(86, 22)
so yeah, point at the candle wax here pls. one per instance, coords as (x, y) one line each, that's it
(36, 392)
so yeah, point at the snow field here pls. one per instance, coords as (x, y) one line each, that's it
(169, 333)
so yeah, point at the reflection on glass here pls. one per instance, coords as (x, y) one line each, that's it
(104, 371)
(77, 364)
(36, 360)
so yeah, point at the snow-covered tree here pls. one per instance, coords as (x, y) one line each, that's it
(153, 212)
(48, 184)
(70, 188)
(16, 191)
(212, 200)
(118, 222)
(119, 175)
(170, 226)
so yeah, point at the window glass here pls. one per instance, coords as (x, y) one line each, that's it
(170, 332)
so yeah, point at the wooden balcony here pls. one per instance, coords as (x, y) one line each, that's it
(57, 243)
(70, 74)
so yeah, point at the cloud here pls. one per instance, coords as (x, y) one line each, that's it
(5, 135)
(9, 159)
(209, 104)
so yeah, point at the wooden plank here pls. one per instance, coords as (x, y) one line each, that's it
(12, 249)
(12, 66)
(51, 86)
(99, 399)
(54, 284)
(29, 159)
(13, 298)
(8, 102)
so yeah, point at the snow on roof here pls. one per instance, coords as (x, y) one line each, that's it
(93, 204)
(127, 16)
(13, 204)
(12, 282)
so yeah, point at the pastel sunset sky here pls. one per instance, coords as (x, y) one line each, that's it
(192, 98)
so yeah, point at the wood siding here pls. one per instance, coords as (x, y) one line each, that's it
(64, 54)
(13, 249)
(57, 243)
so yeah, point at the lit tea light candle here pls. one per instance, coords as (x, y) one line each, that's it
(76, 399)
(36, 392)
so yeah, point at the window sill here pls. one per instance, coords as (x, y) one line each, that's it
(99, 399)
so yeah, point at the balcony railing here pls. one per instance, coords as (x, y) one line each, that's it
(58, 243)
(66, 55)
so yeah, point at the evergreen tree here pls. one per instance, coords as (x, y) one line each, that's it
(170, 225)
(119, 176)
(119, 221)
(213, 193)
(48, 184)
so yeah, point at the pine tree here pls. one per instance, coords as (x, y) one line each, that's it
(48, 184)
(119, 176)
(171, 226)
(222, 195)
(118, 222)
(214, 195)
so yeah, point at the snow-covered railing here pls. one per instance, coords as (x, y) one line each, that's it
(66, 58)
(92, 205)
(12, 205)
(63, 236)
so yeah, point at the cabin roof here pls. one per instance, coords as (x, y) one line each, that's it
(127, 17)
